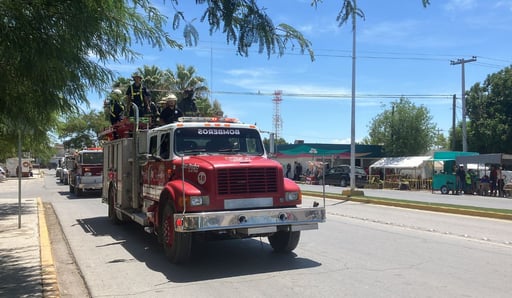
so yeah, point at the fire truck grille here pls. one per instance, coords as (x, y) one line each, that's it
(247, 180)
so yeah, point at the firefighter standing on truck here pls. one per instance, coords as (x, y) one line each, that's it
(116, 107)
(170, 113)
(138, 94)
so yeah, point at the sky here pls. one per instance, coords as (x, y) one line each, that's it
(402, 49)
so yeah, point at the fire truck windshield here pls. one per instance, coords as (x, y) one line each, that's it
(223, 140)
(91, 158)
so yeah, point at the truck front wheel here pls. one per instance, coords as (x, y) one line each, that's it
(177, 246)
(284, 241)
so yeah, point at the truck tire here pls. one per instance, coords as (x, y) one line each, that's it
(112, 214)
(444, 190)
(177, 246)
(284, 241)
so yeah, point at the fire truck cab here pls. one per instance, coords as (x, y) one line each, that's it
(85, 173)
(205, 178)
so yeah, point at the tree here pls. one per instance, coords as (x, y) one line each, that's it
(153, 78)
(161, 82)
(55, 40)
(188, 87)
(458, 137)
(82, 130)
(266, 143)
(404, 130)
(349, 7)
(489, 109)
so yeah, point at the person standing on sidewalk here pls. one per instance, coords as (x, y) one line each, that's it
(493, 180)
(461, 179)
(288, 170)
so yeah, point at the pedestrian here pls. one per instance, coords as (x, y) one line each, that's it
(170, 113)
(493, 181)
(288, 169)
(469, 182)
(501, 182)
(138, 94)
(460, 179)
(299, 171)
(484, 185)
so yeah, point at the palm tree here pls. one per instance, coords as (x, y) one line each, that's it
(188, 87)
(186, 78)
(153, 78)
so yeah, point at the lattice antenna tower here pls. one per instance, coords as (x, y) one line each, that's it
(278, 121)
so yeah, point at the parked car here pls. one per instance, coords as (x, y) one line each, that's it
(58, 172)
(3, 174)
(340, 176)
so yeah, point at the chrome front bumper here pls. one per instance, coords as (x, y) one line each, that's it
(91, 182)
(251, 221)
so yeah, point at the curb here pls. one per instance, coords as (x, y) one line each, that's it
(48, 272)
(455, 209)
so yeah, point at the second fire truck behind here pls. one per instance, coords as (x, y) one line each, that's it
(206, 178)
(85, 174)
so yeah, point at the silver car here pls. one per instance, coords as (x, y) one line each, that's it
(3, 174)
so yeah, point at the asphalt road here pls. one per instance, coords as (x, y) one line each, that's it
(361, 251)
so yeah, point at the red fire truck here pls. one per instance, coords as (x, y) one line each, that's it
(201, 178)
(85, 173)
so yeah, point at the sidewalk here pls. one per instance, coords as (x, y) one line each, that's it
(25, 270)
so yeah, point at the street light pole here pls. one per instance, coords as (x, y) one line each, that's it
(353, 110)
(463, 97)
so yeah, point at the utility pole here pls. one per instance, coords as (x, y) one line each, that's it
(454, 113)
(463, 97)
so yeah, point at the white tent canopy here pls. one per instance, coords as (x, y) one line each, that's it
(406, 164)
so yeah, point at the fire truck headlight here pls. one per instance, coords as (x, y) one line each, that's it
(292, 196)
(199, 200)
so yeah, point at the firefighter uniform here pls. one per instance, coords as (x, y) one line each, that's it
(138, 94)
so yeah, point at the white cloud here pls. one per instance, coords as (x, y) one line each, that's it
(390, 32)
(460, 5)
(507, 4)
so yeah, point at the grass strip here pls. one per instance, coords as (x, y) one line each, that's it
(427, 206)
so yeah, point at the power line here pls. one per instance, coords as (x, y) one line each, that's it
(382, 55)
(335, 95)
